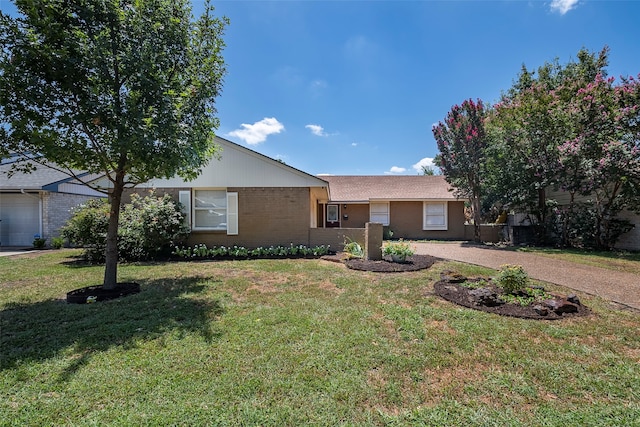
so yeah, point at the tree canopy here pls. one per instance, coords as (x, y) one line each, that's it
(565, 127)
(462, 142)
(120, 88)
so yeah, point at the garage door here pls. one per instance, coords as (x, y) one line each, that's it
(19, 219)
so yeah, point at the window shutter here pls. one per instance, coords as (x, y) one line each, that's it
(232, 214)
(184, 197)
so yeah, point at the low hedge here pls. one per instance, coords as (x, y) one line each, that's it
(201, 251)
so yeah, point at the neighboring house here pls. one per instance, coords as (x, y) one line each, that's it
(36, 203)
(412, 207)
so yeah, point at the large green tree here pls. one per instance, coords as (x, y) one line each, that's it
(527, 127)
(121, 88)
(462, 144)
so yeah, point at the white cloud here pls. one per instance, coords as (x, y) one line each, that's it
(395, 170)
(426, 162)
(317, 130)
(563, 6)
(354, 144)
(259, 131)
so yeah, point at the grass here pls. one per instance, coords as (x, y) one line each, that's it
(298, 342)
(613, 260)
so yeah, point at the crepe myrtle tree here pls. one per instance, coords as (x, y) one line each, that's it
(528, 126)
(119, 88)
(601, 159)
(462, 144)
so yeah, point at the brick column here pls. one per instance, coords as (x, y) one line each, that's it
(373, 241)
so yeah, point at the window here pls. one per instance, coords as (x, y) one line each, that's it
(435, 216)
(379, 212)
(213, 210)
(332, 213)
(210, 209)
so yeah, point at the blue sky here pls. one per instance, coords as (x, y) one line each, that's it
(354, 87)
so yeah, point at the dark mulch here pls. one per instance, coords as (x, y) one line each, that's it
(459, 294)
(413, 263)
(98, 293)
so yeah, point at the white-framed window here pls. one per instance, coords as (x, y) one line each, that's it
(435, 216)
(211, 209)
(379, 212)
(332, 213)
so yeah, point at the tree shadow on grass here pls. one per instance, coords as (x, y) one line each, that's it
(43, 330)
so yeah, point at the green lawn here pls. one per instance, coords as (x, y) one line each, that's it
(298, 342)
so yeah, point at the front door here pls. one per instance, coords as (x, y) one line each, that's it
(332, 216)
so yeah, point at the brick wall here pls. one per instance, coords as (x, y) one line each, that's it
(357, 215)
(335, 237)
(406, 221)
(266, 216)
(56, 209)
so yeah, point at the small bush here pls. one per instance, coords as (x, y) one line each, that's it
(398, 249)
(57, 242)
(353, 249)
(39, 242)
(512, 278)
(87, 228)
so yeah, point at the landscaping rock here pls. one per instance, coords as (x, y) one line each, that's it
(542, 311)
(560, 306)
(452, 277)
(484, 296)
(573, 298)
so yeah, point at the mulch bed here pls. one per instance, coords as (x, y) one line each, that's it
(458, 294)
(450, 289)
(98, 293)
(412, 263)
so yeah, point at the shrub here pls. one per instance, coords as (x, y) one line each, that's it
(87, 228)
(149, 227)
(512, 278)
(353, 249)
(387, 233)
(291, 251)
(57, 242)
(39, 242)
(400, 250)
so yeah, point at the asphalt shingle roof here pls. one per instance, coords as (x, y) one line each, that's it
(352, 188)
(29, 181)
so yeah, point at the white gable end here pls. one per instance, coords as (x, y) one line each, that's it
(241, 167)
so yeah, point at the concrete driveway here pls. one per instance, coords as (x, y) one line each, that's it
(620, 287)
(12, 250)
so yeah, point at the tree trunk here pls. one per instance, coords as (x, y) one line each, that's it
(111, 251)
(568, 216)
(475, 205)
(542, 209)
